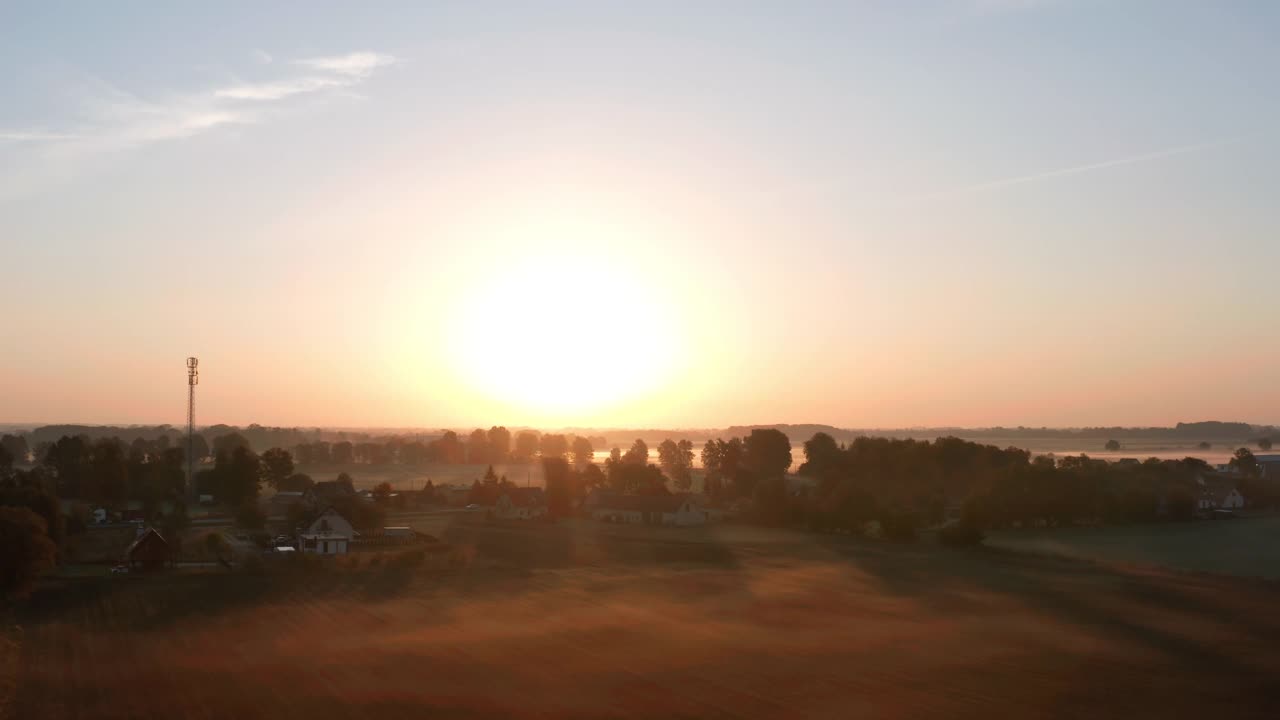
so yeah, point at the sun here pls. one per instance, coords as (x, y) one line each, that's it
(563, 337)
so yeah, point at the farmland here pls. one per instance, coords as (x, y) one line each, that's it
(1246, 547)
(575, 620)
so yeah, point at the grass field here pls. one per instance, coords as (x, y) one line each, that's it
(1246, 547)
(584, 621)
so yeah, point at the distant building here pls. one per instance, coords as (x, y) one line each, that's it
(1218, 496)
(525, 503)
(150, 551)
(1269, 465)
(681, 510)
(329, 534)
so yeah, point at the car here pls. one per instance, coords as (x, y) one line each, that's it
(120, 570)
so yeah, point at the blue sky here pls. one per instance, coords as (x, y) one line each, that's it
(870, 214)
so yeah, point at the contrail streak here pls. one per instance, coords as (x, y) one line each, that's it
(1132, 159)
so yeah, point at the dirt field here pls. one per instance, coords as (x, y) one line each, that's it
(583, 622)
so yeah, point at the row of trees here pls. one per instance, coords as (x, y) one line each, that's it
(493, 446)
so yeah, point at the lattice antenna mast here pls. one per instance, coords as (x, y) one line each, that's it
(193, 379)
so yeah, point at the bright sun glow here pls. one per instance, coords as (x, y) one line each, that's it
(554, 336)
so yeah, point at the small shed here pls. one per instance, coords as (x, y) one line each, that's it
(150, 551)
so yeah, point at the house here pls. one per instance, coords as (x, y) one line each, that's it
(525, 503)
(150, 551)
(1269, 465)
(328, 534)
(681, 510)
(1220, 497)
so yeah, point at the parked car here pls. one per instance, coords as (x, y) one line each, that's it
(120, 570)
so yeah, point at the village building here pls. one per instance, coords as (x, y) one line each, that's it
(526, 503)
(150, 551)
(329, 534)
(680, 510)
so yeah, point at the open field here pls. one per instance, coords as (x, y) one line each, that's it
(575, 620)
(1246, 547)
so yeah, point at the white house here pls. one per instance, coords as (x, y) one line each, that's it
(1221, 499)
(328, 534)
(521, 504)
(681, 510)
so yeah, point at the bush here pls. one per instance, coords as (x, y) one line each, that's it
(961, 534)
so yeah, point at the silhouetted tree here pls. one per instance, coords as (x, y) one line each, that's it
(768, 452)
(229, 442)
(276, 466)
(583, 452)
(676, 460)
(343, 453)
(1112, 445)
(1244, 461)
(1264, 443)
(499, 444)
(526, 446)
(478, 447)
(16, 447)
(26, 550)
(638, 454)
(553, 445)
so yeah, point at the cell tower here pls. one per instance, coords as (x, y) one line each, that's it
(193, 379)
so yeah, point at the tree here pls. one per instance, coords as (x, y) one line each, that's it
(1264, 443)
(69, 460)
(1112, 445)
(554, 445)
(821, 455)
(276, 466)
(229, 442)
(583, 452)
(382, 492)
(559, 479)
(238, 478)
(16, 447)
(343, 453)
(1204, 445)
(478, 447)
(1244, 461)
(109, 478)
(6, 461)
(449, 448)
(638, 454)
(26, 551)
(768, 452)
(526, 446)
(499, 444)
(676, 460)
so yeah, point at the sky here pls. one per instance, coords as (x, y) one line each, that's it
(868, 214)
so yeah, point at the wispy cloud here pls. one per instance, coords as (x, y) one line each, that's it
(356, 64)
(1077, 169)
(116, 119)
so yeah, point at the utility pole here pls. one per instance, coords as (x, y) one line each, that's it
(193, 379)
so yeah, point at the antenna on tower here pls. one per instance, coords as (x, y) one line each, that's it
(193, 379)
